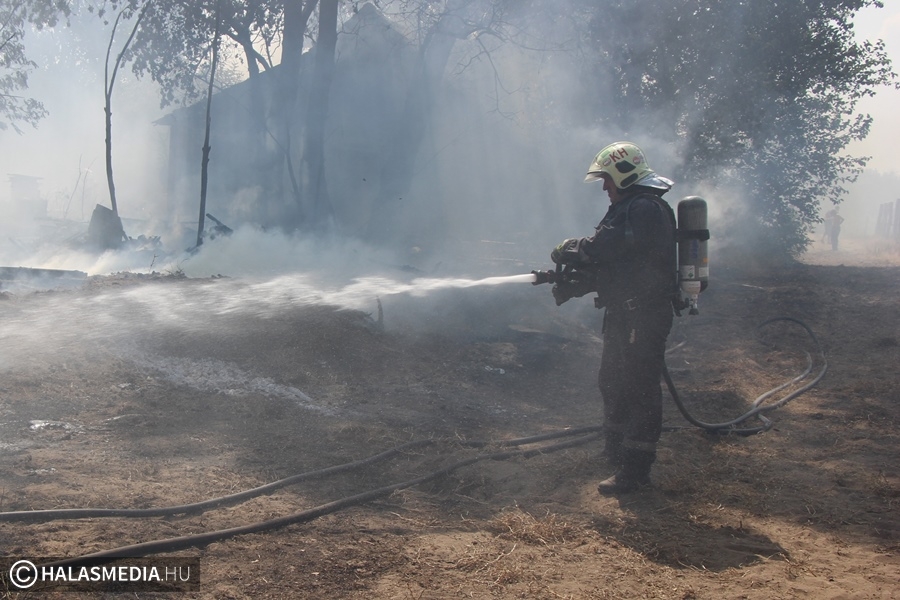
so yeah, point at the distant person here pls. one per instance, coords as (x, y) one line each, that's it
(632, 257)
(829, 219)
(834, 231)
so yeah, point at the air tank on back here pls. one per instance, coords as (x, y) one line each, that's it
(693, 260)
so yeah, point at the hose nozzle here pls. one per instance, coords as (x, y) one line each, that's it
(541, 277)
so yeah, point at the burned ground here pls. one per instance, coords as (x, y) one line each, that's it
(104, 403)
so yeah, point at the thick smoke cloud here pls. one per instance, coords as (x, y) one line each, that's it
(494, 172)
(497, 181)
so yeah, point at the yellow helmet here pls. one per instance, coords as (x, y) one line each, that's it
(625, 164)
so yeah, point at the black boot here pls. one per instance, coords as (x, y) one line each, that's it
(634, 474)
(612, 449)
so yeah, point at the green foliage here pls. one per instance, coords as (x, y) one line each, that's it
(174, 48)
(760, 96)
(174, 42)
(14, 64)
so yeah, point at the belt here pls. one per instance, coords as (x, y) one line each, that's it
(632, 303)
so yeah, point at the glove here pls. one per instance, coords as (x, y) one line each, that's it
(568, 252)
(561, 293)
(566, 290)
(560, 251)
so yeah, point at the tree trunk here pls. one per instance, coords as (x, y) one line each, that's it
(296, 18)
(109, 83)
(316, 115)
(204, 167)
(284, 103)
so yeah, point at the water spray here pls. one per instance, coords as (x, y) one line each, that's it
(423, 286)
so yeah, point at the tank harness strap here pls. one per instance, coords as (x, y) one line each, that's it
(682, 235)
(629, 230)
(634, 303)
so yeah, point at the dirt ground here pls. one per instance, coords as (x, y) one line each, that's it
(152, 391)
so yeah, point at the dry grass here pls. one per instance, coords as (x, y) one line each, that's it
(521, 526)
(520, 542)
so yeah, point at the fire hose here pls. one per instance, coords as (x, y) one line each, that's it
(758, 410)
(574, 274)
(585, 435)
(693, 278)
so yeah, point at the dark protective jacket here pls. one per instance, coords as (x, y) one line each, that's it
(634, 249)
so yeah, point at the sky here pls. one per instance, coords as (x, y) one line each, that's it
(882, 143)
(67, 150)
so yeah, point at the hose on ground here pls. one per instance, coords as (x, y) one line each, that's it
(203, 539)
(237, 498)
(758, 409)
(587, 434)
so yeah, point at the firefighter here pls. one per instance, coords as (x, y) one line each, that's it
(633, 261)
(833, 222)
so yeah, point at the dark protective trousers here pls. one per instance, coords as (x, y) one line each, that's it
(634, 345)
